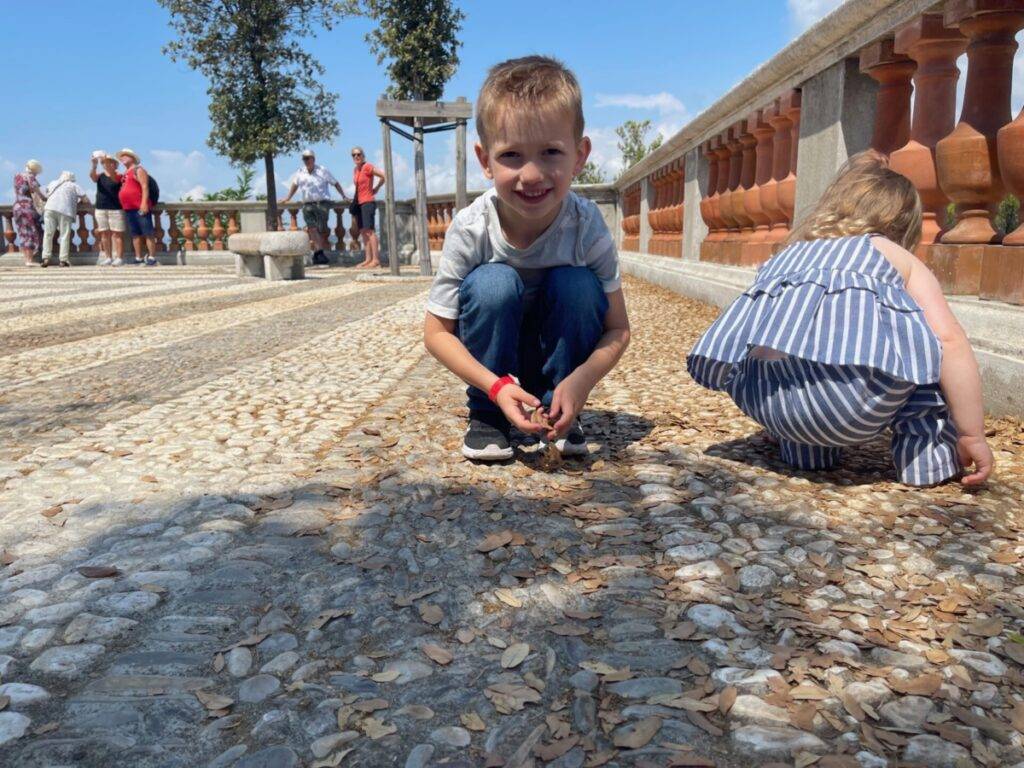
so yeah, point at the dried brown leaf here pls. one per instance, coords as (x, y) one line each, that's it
(514, 655)
(431, 613)
(437, 654)
(98, 571)
(638, 734)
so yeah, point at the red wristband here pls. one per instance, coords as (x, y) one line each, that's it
(497, 386)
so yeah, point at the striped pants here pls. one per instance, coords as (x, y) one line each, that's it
(816, 410)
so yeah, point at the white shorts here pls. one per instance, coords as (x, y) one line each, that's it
(112, 221)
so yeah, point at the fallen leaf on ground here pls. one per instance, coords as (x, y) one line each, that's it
(473, 721)
(569, 630)
(514, 655)
(377, 729)
(332, 761)
(325, 617)
(508, 598)
(214, 701)
(555, 749)
(636, 735)
(437, 654)
(430, 613)
(511, 697)
(370, 705)
(494, 541)
(386, 677)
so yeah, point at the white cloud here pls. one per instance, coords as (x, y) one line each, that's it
(1017, 98)
(806, 13)
(664, 103)
(196, 193)
(181, 174)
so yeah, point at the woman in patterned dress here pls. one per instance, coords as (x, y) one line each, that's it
(26, 219)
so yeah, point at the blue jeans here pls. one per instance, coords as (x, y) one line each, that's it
(541, 343)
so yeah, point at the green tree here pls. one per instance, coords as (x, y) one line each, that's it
(633, 141)
(265, 92)
(419, 38)
(591, 174)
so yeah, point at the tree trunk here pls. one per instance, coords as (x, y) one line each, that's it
(268, 161)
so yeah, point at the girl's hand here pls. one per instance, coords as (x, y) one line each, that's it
(511, 399)
(568, 400)
(975, 451)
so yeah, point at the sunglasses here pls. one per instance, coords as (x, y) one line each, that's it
(357, 154)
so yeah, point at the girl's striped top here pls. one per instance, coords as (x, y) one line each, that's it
(836, 301)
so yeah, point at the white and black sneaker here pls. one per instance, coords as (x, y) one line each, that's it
(573, 443)
(487, 438)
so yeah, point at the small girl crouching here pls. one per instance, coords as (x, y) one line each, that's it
(845, 333)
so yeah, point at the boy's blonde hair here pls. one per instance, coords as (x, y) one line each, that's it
(865, 197)
(524, 86)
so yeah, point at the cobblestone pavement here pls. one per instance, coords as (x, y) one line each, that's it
(235, 531)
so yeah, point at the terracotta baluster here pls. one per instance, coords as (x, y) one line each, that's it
(158, 230)
(725, 222)
(789, 104)
(83, 234)
(1010, 144)
(293, 214)
(747, 168)
(187, 231)
(280, 220)
(935, 48)
(778, 229)
(9, 234)
(732, 200)
(967, 159)
(707, 201)
(763, 133)
(232, 223)
(652, 216)
(173, 233)
(892, 71)
(449, 216)
(203, 231)
(218, 231)
(679, 198)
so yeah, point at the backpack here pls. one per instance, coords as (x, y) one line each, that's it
(153, 187)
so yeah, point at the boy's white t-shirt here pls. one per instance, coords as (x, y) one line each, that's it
(577, 237)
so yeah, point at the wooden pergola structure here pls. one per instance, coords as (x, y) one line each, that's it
(423, 117)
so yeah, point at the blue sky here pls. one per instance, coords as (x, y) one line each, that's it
(92, 75)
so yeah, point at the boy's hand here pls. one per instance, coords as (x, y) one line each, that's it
(511, 399)
(975, 451)
(568, 400)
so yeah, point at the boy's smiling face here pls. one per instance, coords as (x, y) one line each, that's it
(532, 159)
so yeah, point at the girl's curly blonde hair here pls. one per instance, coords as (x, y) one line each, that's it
(865, 197)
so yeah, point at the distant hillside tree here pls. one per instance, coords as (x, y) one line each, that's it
(591, 174)
(266, 96)
(632, 141)
(419, 39)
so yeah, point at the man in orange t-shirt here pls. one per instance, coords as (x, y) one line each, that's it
(364, 206)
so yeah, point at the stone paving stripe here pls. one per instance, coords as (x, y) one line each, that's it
(35, 367)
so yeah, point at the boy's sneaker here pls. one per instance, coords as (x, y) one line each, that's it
(151, 262)
(487, 437)
(574, 443)
(105, 261)
(117, 263)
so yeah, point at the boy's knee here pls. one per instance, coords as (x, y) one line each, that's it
(491, 286)
(575, 286)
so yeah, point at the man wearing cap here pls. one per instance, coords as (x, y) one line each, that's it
(313, 183)
(138, 208)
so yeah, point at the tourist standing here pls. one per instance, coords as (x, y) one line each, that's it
(62, 198)
(138, 208)
(108, 214)
(26, 218)
(365, 206)
(313, 183)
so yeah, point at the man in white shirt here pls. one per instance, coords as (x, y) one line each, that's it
(62, 198)
(313, 183)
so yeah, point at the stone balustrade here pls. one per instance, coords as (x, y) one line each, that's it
(439, 217)
(631, 218)
(877, 73)
(665, 214)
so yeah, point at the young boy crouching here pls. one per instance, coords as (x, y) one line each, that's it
(527, 305)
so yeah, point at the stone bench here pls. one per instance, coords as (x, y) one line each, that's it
(272, 255)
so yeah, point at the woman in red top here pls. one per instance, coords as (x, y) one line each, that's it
(364, 207)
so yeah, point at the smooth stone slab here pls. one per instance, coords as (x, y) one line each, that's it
(158, 663)
(127, 603)
(67, 660)
(135, 685)
(644, 687)
(23, 694)
(779, 742)
(87, 626)
(258, 688)
(12, 726)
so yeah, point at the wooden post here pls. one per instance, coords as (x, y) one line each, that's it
(389, 197)
(422, 245)
(460, 162)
